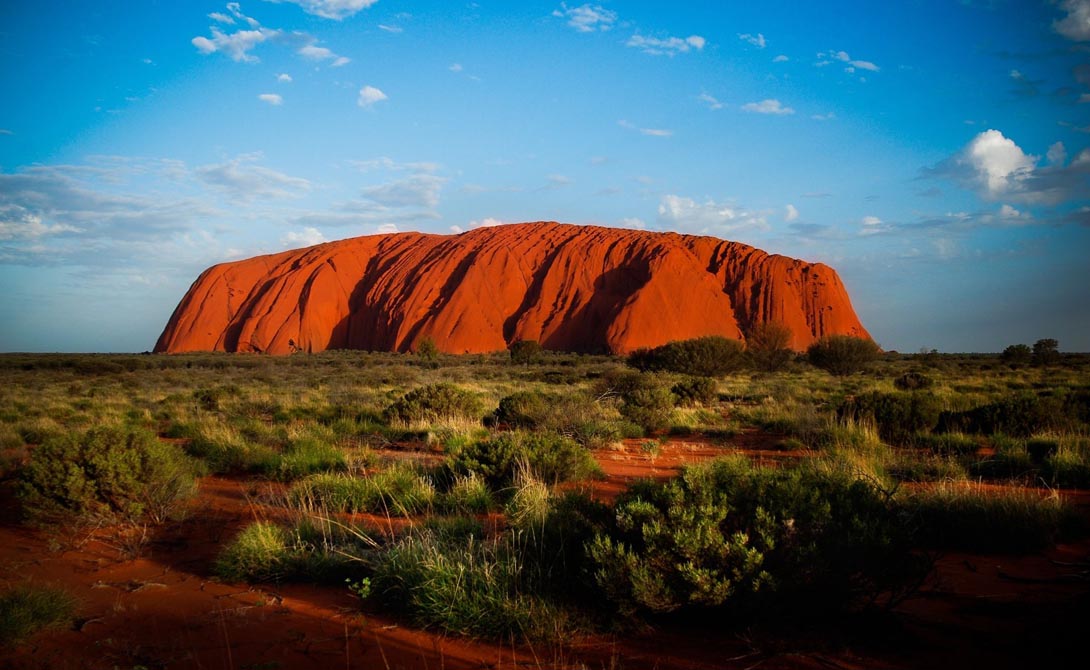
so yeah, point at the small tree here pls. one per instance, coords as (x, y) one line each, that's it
(710, 356)
(767, 346)
(524, 352)
(426, 349)
(842, 355)
(1016, 354)
(1046, 352)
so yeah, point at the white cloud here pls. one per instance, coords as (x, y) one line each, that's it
(417, 190)
(236, 10)
(308, 237)
(317, 53)
(587, 18)
(271, 98)
(780, 59)
(670, 46)
(1076, 25)
(455, 67)
(757, 40)
(710, 101)
(369, 95)
(387, 229)
(18, 224)
(1057, 154)
(828, 116)
(236, 45)
(790, 213)
(826, 58)
(241, 179)
(871, 221)
(284, 78)
(689, 215)
(391, 29)
(770, 106)
(1008, 212)
(557, 181)
(652, 132)
(222, 18)
(331, 9)
(633, 222)
(999, 164)
(485, 223)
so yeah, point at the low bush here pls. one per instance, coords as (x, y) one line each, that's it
(842, 355)
(694, 391)
(768, 346)
(913, 381)
(897, 416)
(435, 403)
(1019, 415)
(305, 456)
(544, 456)
(525, 352)
(25, 610)
(970, 517)
(106, 472)
(574, 415)
(397, 491)
(728, 533)
(267, 552)
(710, 356)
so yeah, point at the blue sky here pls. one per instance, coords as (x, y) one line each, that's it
(937, 154)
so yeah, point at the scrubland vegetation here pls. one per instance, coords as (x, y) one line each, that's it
(458, 491)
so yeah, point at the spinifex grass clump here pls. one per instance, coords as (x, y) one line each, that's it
(435, 404)
(28, 609)
(544, 456)
(311, 550)
(106, 472)
(400, 490)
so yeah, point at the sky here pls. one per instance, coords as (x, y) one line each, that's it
(936, 154)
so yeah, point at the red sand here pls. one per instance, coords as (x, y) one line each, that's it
(571, 288)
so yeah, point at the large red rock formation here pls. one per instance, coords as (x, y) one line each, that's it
(575, 288)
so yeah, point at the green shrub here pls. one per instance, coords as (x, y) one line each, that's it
(469, 495)
(913, 381)
(768, 346)
(968, 517)
(1018, 415)
(267, 552)
(897, 416)
(436, 403)
(106, 472)
(695, 391)
(1046, 352)
(544, 456)
(1016, 354)
(25, 610)
(524, 352)
(258, 553)
(525, 409)
(727, 533)
(574, 415)
(397, 491)
(710, 356)
(842, 355)
(303, 457)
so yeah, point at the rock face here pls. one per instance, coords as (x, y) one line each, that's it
(573, 288)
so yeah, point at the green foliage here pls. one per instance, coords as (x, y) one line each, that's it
(768, 346)
(525, 409)
(267, 552)
(650, 408)
(396, 491)
(305, 456)
(710, 356)
(435, 403)
(469, 495)
(27, 609)
(426, 349)
(693, 391)
(525, 352)
(913, 381)
(842, 355)
(897, 416)
(105, 472)
(1046, 352)
(544, 456)
(258, 553)
(1016, 354)
(728, 532)
(1019, 415)
(969, 517)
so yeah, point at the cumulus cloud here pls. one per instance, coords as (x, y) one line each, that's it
(369, 95)
(652, 132)
(687, 214)
(757, 40)
(633, 222)
(790, 213)
(307, 237)
(669, 46)
(284, 78)
(242, 179)
(416, 190)
(710, 101)
(488, 222)
(829, 57)
(1075, 25)
(311, 51)
(19, 224)
(780, 59)
(587, 18)
(998, 169)
(330, 9)
(455, 67)
(271, 98)
(828, 116)
(769, 106)
(236, 45)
